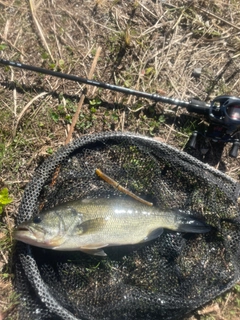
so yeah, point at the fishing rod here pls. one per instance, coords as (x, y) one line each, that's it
(95, 83)
(223, 112)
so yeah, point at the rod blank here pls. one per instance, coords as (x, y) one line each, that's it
(103, 85)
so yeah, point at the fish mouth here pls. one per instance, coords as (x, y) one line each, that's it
(23, 229)
(36, 237)
(28, 235)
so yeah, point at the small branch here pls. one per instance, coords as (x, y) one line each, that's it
(178, 132)
(219, 18)
(32, 7)
(4, 257)
(76, 115)
(25, 109)
(117, 186)
(4, 39)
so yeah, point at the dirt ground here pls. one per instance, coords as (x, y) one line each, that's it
(179, 49)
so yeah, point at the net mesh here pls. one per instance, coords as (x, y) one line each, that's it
(163, 279)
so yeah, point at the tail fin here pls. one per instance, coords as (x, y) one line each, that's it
(190, 224)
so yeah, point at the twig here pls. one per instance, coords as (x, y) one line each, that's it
(56, 38)
(178, 20)
(11, 45)
(170, 44)
(4, 257)
(32, 7)
(138, 109)
(15, 181)
(4, 4)
(6, 29)
(25, 109)
(219, 18)
(76, 115)
(123, 121)
(116, 185)
(172, 129)
(227, 300)
(140, 4)
(103, 26)
(178, 132)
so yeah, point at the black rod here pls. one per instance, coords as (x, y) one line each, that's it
(103, 85)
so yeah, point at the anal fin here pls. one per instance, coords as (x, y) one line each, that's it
(96, 252)
(153, 235)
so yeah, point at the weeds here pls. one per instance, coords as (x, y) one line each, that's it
(151, 49)
(4, 199)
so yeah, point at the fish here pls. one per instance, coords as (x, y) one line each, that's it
(89, 225)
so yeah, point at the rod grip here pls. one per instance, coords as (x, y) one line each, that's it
(198, 106)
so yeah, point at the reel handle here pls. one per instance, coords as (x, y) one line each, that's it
(193, 140)
(234, 150)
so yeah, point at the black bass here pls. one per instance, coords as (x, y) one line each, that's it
(91, 224)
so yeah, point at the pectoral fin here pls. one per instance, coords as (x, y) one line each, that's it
(55, 242)
(90, 226)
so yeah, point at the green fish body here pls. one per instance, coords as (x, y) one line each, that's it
(92, 224)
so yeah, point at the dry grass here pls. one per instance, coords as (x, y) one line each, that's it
(152, 46)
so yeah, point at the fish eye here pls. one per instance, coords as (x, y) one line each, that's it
(37, 219)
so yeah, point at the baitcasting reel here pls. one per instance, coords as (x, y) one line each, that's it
(224, 117)
(223, 112)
